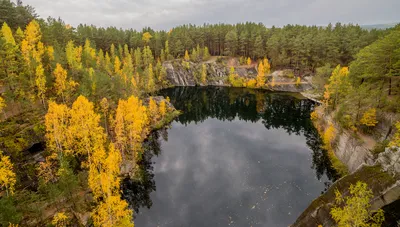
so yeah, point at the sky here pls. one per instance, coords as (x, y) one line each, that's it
(165, 14)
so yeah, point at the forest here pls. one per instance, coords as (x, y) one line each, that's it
(87, 91)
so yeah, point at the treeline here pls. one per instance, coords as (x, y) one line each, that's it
(295, 46)
(302, 48)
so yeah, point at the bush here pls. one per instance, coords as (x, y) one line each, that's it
(379, 147)
(314, 116)
(288, 73)
(251, 83)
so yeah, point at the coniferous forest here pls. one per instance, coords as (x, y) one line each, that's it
(88, 91)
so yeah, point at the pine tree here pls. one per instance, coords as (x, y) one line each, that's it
(167, 53)
(231, 43)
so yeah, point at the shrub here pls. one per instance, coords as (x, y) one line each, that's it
(251, 83)
(379, 147)
(314, 116)
(369, 118)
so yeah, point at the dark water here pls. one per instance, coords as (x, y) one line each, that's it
(235, 157)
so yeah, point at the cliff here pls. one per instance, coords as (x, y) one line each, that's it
(354, 151)
(218, 72)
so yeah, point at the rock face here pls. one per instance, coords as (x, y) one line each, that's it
(352, 151)
(390, 160)
(382, 175)
(385, 188)
(217, 75)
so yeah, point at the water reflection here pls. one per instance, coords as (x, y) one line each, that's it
(221, 166)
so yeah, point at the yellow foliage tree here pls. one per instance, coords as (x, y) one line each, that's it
(61, 80)
(56, 122)
(267, 66)
(50, 52)
(104, 108)
(153, 110)
(260, 75)
(396, 138)
(105, 183)
(328, 137)
(63, 87)
(7, 34)
(369, 118)
(146, 37)
(85, 133)
(252, 83)
(248, 61)
(163, 108)
(354, 210)
(187, 57)
(131, 125)
(7, 175)
(298, 81)
(113, 211)
(339, 85)
(31, 46)
(117, 66)
(40, 82)
(2, 104)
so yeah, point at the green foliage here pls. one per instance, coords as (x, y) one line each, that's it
(321, 77)
(380, 147)
(353, 210)
(8, 211)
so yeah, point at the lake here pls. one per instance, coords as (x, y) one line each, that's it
(235, 157)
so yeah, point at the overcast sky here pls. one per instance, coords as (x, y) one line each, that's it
(165, 14)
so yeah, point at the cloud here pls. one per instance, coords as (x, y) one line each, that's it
(222, 172)
(164, 14)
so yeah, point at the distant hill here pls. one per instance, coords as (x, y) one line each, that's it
(378, 26)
